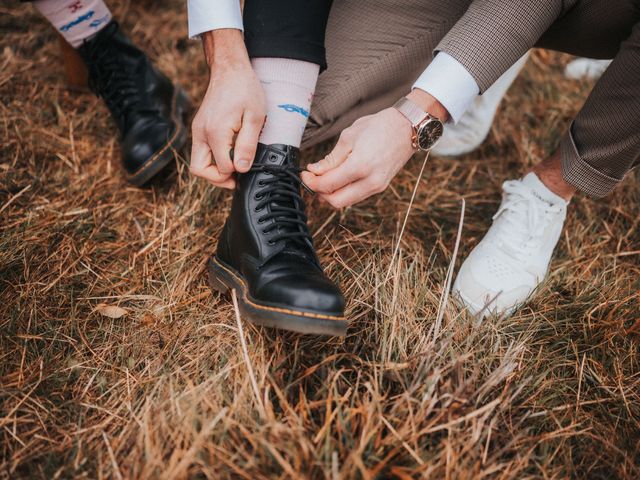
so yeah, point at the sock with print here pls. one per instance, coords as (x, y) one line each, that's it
(289, 86)
(76, 20)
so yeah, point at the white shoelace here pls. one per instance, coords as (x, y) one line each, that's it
(522, 219)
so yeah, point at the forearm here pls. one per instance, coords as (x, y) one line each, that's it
(224, 49)
(493, 34)
(490, 37)
(429, 104)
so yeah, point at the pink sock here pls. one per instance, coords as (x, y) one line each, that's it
(289, 86)
(76, 20)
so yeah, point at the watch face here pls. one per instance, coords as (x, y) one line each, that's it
(429, 133)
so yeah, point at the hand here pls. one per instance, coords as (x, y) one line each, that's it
(231, 114)
(368, 155)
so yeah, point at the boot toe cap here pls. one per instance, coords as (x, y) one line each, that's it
(315, 294)
(146, 142)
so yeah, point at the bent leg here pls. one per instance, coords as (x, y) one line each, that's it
(603, 142)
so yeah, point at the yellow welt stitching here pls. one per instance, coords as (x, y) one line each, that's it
(274, 309)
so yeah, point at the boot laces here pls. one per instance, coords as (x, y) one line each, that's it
(110, 79)
(281, 193)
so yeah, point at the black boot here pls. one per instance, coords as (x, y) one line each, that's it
(146, 106)
(266, 254)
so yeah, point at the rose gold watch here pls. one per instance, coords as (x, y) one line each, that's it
(427, 129)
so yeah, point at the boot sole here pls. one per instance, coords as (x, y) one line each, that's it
(223, 279)
(160, 159)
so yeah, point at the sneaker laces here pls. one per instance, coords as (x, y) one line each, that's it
(525, 217)
(281, 193)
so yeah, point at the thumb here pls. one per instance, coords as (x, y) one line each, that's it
(246, 143)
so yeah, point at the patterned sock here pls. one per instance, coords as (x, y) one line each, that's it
(289, 86)
(76, 20)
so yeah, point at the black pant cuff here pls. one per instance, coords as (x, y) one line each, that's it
(294, 49)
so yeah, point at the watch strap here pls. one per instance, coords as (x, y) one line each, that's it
(411, 111)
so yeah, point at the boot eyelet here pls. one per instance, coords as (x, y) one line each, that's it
(260, 183)
(257, 197)
(271, 242)
(256, 209)
(260, 220)
(273, 157)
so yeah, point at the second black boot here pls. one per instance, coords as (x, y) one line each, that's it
(147, 108)
(265, 251)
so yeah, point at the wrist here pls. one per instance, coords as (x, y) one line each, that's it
(224, 49)
(429, 104)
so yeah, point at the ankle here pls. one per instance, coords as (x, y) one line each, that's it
(550, 173)
(288, 86)
(76, 21)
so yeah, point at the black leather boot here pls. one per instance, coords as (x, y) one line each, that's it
(146, 106)
(265, 251)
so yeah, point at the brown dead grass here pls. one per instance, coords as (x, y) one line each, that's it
(164, 391)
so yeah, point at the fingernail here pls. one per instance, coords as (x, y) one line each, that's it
(243, 164)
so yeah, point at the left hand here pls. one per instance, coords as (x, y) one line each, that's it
(364, 161)
(368, 154)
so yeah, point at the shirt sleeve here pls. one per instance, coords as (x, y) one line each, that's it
(206, 15)
(450, 83)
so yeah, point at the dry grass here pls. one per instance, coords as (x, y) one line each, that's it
(164, 390)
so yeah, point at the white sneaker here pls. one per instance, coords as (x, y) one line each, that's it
(513, 257)
(586, 68)
(474, 126)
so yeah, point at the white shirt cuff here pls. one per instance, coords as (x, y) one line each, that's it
(206, 15)
(450, 83)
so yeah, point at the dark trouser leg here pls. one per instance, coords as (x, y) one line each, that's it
(292, 29)
(603, 142)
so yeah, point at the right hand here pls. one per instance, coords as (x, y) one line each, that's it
(230, 117)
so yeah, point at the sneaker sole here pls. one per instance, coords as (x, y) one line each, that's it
(482, 311)
(223, 279)
(160, 159)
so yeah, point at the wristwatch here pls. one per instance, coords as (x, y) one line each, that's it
(427, 129)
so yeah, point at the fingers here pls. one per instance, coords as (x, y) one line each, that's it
(202, 166)
(335, 178)
(244, 149)
(336, 157)
(221, 145)
(351, 194)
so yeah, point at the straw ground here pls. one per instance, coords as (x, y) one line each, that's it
(116, 361)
